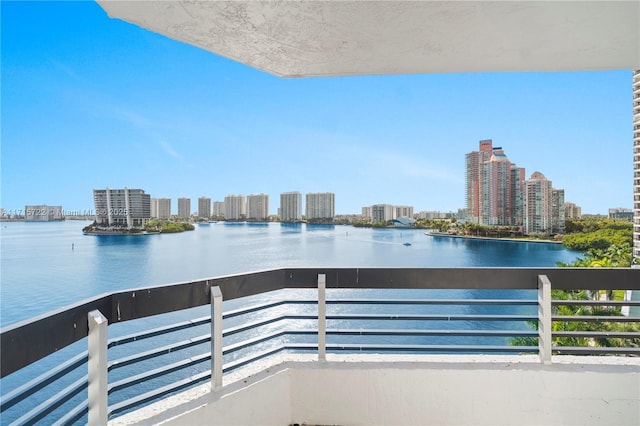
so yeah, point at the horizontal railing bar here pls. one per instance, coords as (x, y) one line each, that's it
(74, 415)
(479, 333)
(130, 338)
(595, 334)
(563, 302)
(242, 328)
(254, 308)
(433, 348)
(515, 302)
(20, 393)
(598, 350)
(414, 348)
(435, 317)
(122, 362)
(264, 306)
(389, 332)
(595, 318)
(158, 372)
(247, 343)
(44, 408)
(381, 332)
(384, 301)
(158, 393)
(252, 358)
(28, 341)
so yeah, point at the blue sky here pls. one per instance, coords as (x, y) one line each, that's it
(93, 102)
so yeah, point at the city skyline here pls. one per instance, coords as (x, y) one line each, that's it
(93, 102)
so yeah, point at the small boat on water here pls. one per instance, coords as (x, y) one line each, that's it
(406, 244)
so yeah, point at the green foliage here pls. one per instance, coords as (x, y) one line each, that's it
(583, 310)
(598, 234)
(614, 256)
(167, 227)
(321, 220)
(368, 224)
(599, 239)
(362, 224)
(441, 225)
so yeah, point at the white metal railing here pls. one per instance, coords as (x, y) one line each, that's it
(98, 388)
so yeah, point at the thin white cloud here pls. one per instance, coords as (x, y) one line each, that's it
(134, 118)
(67, 70)
(167, 148)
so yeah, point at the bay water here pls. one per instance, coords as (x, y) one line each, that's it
(47, 266)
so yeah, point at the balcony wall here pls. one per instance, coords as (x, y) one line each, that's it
(415, 390)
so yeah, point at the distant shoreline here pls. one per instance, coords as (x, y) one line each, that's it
(105, 232)
(472, 237)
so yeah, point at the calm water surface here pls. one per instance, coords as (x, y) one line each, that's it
(46, 266)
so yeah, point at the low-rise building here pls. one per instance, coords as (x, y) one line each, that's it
(621, 213)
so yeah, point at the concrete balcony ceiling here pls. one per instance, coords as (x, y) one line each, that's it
(328, 38)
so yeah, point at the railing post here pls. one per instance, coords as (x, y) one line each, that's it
(322, 318)
(544, 319)
(97, 366)
(216, 338)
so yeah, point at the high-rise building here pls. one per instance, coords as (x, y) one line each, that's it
(291, 206)
(153, 203)
(538, 218)
(403, 211)
(366, 212)
(494, 187)
(204, 207)
(184, 207)
(636, 165)
(557, 211)
(235, 207)
(122, 207)
(425, 214)
(164, 208)
(572, 211)
(218, 208)
(320, 207)
(474, 179)
(382, 212)
(517, 195)
(257, 207)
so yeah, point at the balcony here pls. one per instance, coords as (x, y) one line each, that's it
(333, 346)
(358, 371)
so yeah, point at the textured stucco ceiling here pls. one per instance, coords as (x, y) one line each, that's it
(319, 38)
